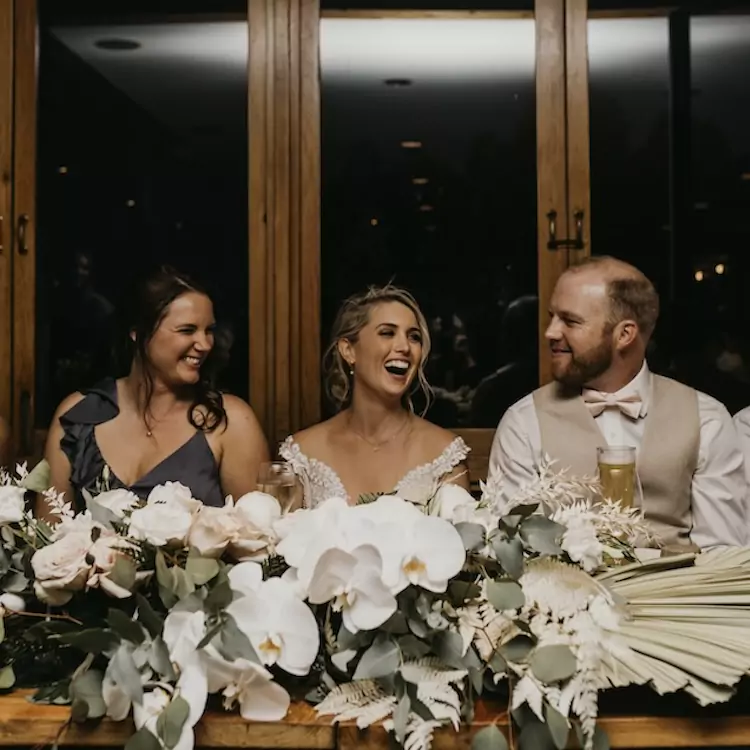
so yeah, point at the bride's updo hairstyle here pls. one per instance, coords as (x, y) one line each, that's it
(352, 317)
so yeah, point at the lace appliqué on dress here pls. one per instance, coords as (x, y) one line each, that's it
(320, 481)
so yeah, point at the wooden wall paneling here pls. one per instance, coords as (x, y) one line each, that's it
(6, 218)
(577, 93)
(551, 157)
(24, 226)
(284, 214)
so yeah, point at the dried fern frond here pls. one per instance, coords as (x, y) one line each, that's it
(431, 669)
(360, 700)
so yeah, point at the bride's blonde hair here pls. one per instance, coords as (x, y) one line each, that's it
(352, 317)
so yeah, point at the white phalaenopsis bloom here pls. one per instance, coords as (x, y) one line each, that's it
(453, 503)
(353, 582)
(416, 549)
(280, 626)
(205, 670)
(166, 518)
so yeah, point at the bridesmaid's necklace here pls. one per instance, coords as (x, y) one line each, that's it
(377, 445)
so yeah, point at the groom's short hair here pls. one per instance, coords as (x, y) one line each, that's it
(631, 293)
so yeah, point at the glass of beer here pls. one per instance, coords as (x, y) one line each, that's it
(617, 473)
(277, 478)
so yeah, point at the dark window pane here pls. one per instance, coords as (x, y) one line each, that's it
(429, 181)
(142, 159)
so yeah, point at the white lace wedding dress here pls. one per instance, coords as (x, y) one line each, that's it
(320, 481)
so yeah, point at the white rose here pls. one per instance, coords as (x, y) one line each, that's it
(257, 513)
(61, 568)
(174, 493)
(161, 524)
(452, 503)
(11, 504)
(12, 602)
(213, 529)
(118, 502)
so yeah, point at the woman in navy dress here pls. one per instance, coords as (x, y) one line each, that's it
(166, 420)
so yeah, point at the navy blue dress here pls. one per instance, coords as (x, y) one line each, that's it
(192, 464)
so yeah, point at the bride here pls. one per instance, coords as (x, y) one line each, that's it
(376, 443)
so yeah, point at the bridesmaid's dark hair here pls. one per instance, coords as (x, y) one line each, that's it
(144, 310)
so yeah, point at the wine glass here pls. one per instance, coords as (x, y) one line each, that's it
(278, 479)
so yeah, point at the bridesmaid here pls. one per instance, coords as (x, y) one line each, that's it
(166, 420)
(375, 442)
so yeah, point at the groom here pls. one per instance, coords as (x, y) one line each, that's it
(602, 315)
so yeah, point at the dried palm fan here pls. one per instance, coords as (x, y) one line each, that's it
(686, 624)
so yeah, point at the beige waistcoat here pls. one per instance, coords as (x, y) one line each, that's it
(666, 459)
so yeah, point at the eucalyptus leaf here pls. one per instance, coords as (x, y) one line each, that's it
(7, 678)
(463, 591)
(542, 535)
(57, 693)
(558, 725)
(509, 553)
(395, 624)
(38, 479)
(471, 660)
(143, 740)
(401, 718)
(125, 673)
(517, 649)
(182, 583)
(100, 514)
(220, 596)
(4, 562)
(412, 647)
(201, 569)
(504, 595)
(448, 647)
(498, 664)
(476, 676)
(15, 583)
(417, 707)
(211, 632)
(123, 572)
(382, 658)
(418, 628)
(341, 659)
(489, 738)
(234, 644)
(87, 687)
(148, 617)
(126, 628)
(472, 535)
(165, 581)
(346, 640)
(171, 721)
(91, 641)
(535, 735)
(159, 659)
(600, 740)
(510, 522)
(552, 663)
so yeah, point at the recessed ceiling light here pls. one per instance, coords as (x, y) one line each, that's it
(419, 180)
(425, 208)
(699, 275)
(117, 45)
(398, 82)
(720, 268)
(130, 203)
(62, 170)
(411, 144)
(373, 222)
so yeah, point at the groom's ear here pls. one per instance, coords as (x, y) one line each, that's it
(346, 350)
(626, 332)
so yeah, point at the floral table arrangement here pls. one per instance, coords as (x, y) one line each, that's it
(396, 610)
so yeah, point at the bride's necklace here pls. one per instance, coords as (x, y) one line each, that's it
(377, 445)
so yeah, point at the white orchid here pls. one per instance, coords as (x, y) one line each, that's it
(353, 581)
(280, 626)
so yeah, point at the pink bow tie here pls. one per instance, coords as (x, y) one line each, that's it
(597, 402)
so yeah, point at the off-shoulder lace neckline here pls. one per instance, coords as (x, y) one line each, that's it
(326, 480)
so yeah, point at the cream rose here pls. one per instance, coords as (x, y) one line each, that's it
(104, 554)
(174, 493)
(257, 513)
(61, 568)
(11, 504)
(161, 524)
(213, 529)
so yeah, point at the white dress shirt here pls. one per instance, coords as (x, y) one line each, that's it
(742, 423)
(719, 487)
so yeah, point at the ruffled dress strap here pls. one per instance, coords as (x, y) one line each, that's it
(99, 404)
(432, 472)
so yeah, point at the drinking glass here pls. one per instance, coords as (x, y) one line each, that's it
(617, 474)
(277, 478)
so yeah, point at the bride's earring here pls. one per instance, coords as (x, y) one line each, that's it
(351, 368)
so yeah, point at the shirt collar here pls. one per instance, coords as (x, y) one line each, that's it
(640, 384)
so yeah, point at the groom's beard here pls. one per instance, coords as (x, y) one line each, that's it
(584, 367)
